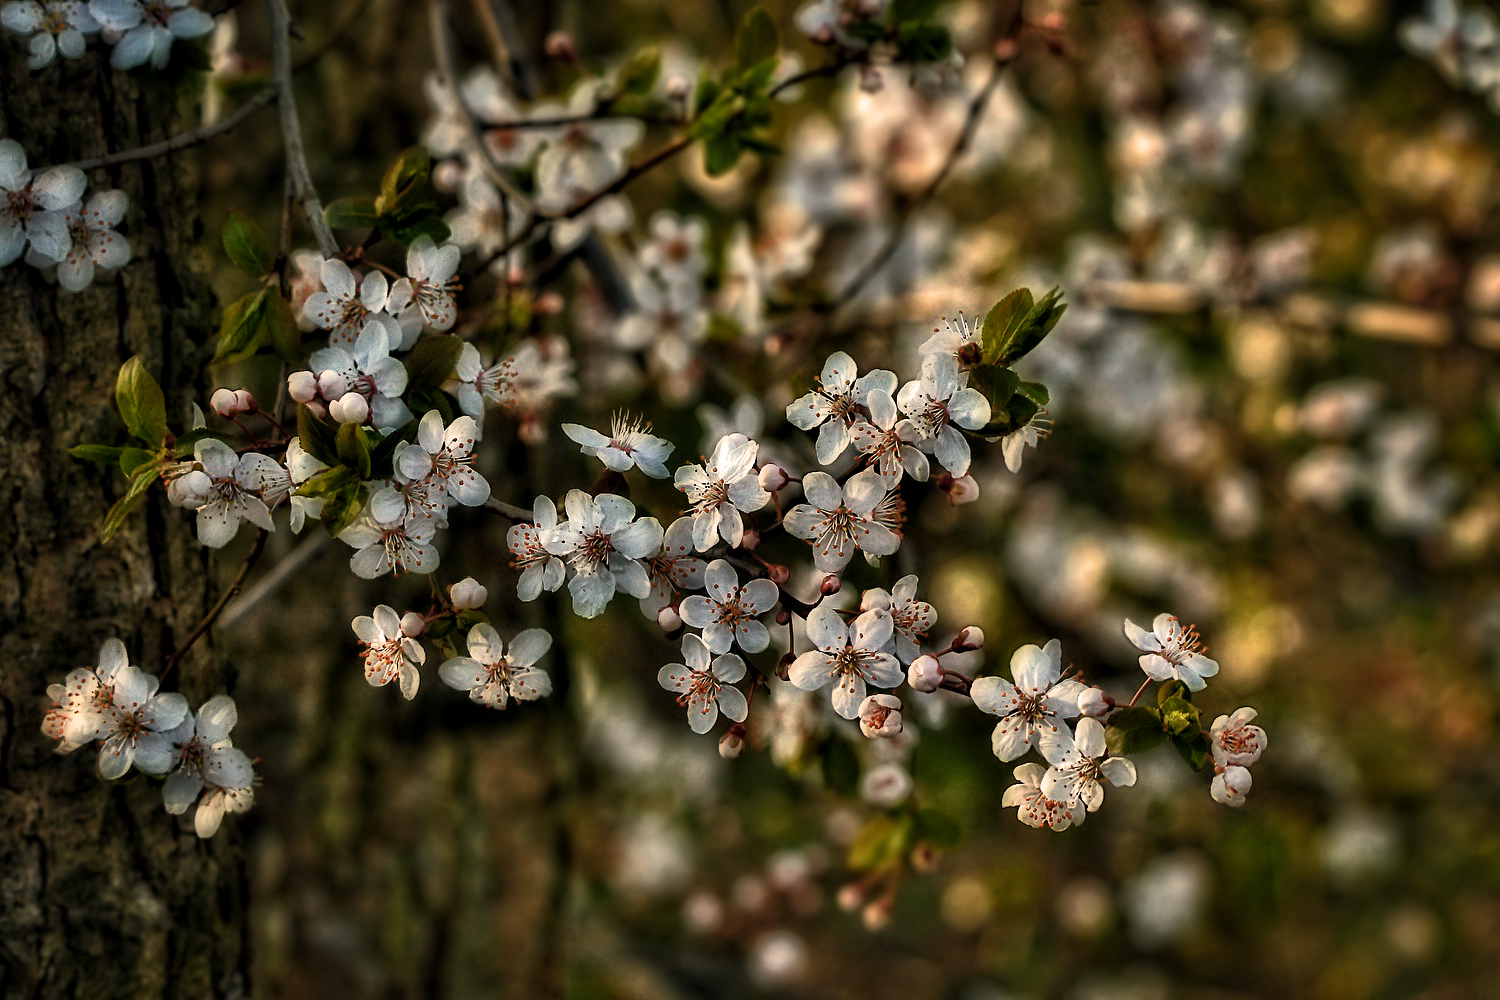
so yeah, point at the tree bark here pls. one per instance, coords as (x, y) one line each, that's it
(102, 894)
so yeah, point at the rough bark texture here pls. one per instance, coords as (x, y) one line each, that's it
(102, 894)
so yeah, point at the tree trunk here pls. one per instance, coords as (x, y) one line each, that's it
(102, 894)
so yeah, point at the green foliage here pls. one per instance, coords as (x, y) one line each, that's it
(1016, 325)
(640, 72)
(140, 481)
(431, 362)
(351, 213)
(733, 111)
(1133, 730)
(141, 403)
(353, 447)
(315, 437)
(756, 40)
(246, 245)
(881, 842)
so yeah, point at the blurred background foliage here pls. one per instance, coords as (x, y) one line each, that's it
(1275, 404)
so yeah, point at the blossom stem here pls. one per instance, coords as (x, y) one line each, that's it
(1138, 692)
(508, 510)
(183, 140)
(203, 626)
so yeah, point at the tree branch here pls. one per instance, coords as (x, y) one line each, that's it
(203, 626)
(291, 130)
(181, 141)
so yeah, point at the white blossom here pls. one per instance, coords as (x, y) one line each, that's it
(729, 612)
(938, 405)
(604, 544)
(1172, 652)
(491, 677)
(55, 26)
(83, 705)
(1230, 785)
(1234, 742)
(888, 444)
(628, 444)
(1031, 707)
(1033, 807)
(849, 657)
(540, 569)
(149, 28)
(206, 758)
(35, 208)
(835, 404)
(226, 490)
(1079, 760)
(720, 490)
(389, 653)
(673, 569)
(912, 618)
(133, 732)
(880, 716)
(442, 460)
(430, 270)
(346, 304)
(92, 240)
(837, 520)
(368, 369)
(705, 685)
(403, 546)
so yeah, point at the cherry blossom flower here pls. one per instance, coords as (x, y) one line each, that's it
(430, 270)
(675, 251)
(485, 221)
(604, 544)
(834, 405)
(579, 161)
(939, 405)
(912, 618)
(403, 546)
(491, 677)
(92, 240)
(524, 383)
(1079, 760)
(302, 466)
(344, 305)
(1172, 652)
(827, 22)
(149, 28)
(1230, 785)
(443, 460)
(1033, 807)
(205, 757)
(133, 732)
(888, 443)
(958, 337)
(540, 569)
(389, 653)
(673, 569)
(627, 445)
(704, 685)
(35, 208)
(226, 490)
(1031, 707)
(468, 593)
(720, 490)
(880, 716)
(847, 656)
(368, 369)
(55, 26)
(1234, 742)
(1017, 441)
(837, 520)
(83, 706)
(886, 785)
(727, 615)
(216, 801)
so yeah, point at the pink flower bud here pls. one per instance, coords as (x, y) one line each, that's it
(302, 387)
(678, 87)
(750, 540)
(925, 673)
(245, 401)
(468, 593)
(961, 490)
(925, 857)
(559, 45)
(778, 574)
(331, 385)
(669, 620)
(413, 624)
(548, 304)
(880, 716)
(772, 477)
(1094, 702)
(350, 408)
(225, 402)
(831, 585)
(851, 896)
(969, 637)
(732, 743)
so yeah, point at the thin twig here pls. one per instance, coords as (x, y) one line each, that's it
(274, 579)
(291, 130)
(505, 35)
(509, 510)
(203, 626)
(183, 140)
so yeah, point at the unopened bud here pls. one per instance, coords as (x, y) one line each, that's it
(468, 593)
(559, 45)
(332, 385)
(750, 540)
(962, 490)
(925, 857)
(831, 585)
(773, 477)
(1006, 49)
(732, 743)
(413, 624)
(969, 637)
(778, 574)
(851, 896)
(350, 408)
(302, 387)
(784, 665)
(190, 490)
(231, 402)
(548, 304)
(970, 354)
(678, 87)
(669, 620)
(925, 673)
(1094, 702)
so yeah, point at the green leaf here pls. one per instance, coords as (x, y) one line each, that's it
(1193, 749)
(721, 153)
(142, 406)
(242, 328)
(407, 233)
(756, 39)
(102, 453)
(353, 448)
(639, 74)
(706, 95)
(140, 482)
(1172, 689)
(878, 843)
(382, 456)
(1036, 392)
(923, 43)
(315, 437)
(1033, 330)
(1001, 322)
(342, 507)
(246, 245)
(132, 459)
(1180, 718)
(1133, 730)
(329, 482)
(281, 325)
(431, 362)
(351, 213)
(937, 828)
(717, 116)
(405, 177)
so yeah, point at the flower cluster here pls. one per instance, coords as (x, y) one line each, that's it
(44, 216)
(141, 31)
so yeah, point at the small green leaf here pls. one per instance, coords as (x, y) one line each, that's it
(405, 177)
(639, 73)
(316, 439)
(281, 324)
(756, 39)
(440, 628)
(351, 213)
(923, 43)
(706, 95)
(407, 233)
(1001, 322)
(469, 617)
(1133, 730)
(340, 509)
(1193, 749)
(140, 482)
(246, 245)
(353, 448)
(242, 328)
(937, 828)
(329, 482)
(1038, 323)
(102, 453)
(382, 455)
(1172, 689)
(142, 405)
(1036, 392)
(721, 153)
(132, 459)
(879, 842)
(431, 362)
(1180, 718)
